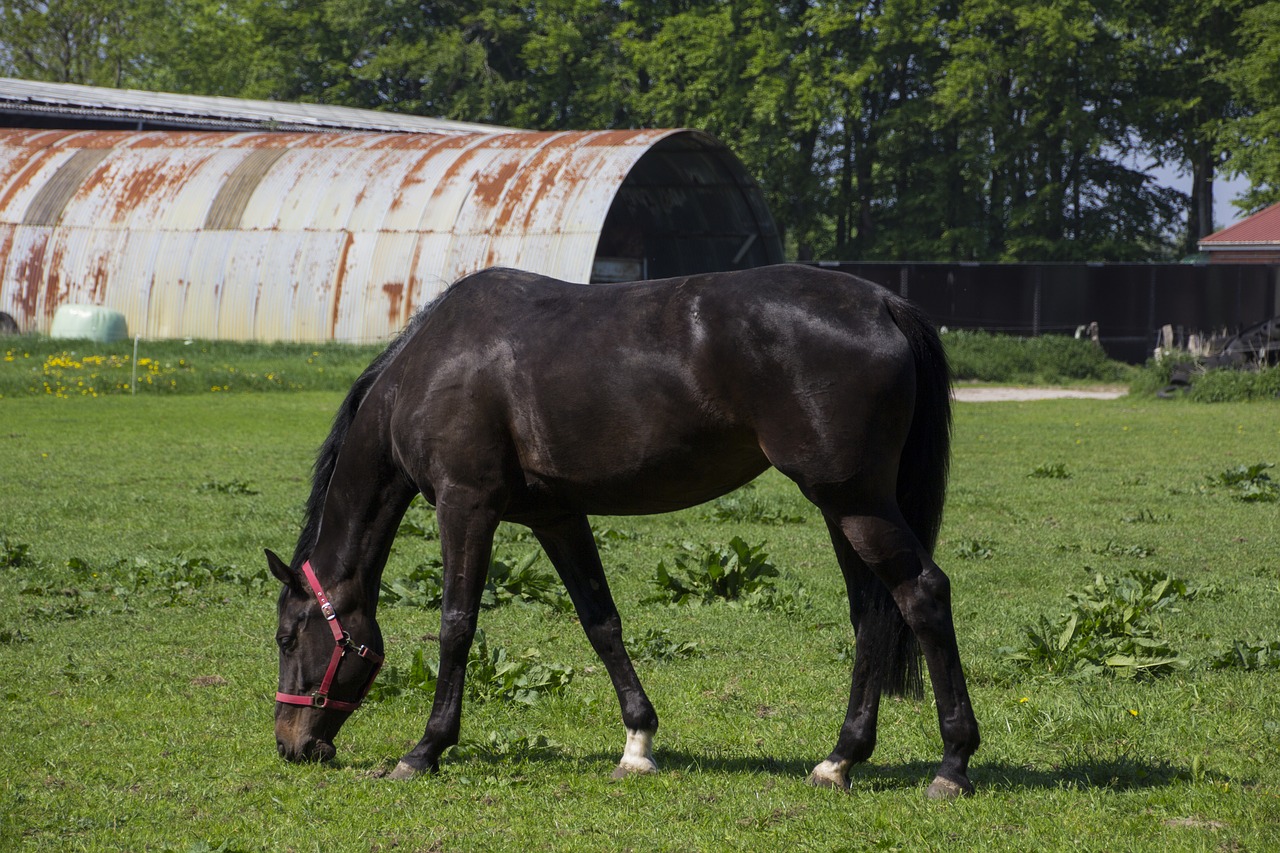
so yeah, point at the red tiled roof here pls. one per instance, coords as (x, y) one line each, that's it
(1261, 228)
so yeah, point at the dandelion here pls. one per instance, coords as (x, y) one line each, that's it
(1024, 700)
(1133, 712)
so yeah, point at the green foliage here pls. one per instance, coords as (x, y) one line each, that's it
(1112, 627)
(1050, 471)
(41, 366)
(1219, 385)
(234, 487)
(13, 554)
(522, 583)
(1051, 359)
(887, 131)
(420, 521)
(1254, 79)
(737, 572)
(13, 636)
(1249, 483)
(974, 549)
(1248, 655)
(1232, 386)
(177, 580)
(505, 746)
(492, 675)
(422, 587)
(743, 506)
(657, 645)
(607, 538)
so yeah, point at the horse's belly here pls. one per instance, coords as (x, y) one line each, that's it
(641, 487)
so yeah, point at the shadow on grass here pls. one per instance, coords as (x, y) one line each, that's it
(1120, 773)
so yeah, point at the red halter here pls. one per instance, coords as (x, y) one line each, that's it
(342, 645)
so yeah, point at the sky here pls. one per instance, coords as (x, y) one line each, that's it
(1224, 192)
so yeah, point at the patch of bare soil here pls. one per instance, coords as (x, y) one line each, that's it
(991, 394)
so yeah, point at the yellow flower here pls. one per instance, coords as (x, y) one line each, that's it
(1133, 712)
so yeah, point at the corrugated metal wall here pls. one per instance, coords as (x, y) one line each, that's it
(319, 236)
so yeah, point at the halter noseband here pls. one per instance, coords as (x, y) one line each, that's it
(342, 645)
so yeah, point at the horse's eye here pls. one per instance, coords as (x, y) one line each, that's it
(287, 642)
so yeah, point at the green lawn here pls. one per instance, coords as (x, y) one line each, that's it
(137, 666)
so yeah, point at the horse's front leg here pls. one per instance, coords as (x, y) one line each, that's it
(572, 549)
(467, 526)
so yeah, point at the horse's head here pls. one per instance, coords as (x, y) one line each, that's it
(330, 652)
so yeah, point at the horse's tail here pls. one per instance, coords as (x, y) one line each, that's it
(922, 488)
(926, 459)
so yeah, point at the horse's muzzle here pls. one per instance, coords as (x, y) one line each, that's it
(312, 749)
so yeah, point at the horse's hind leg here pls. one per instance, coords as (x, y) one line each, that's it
(857, 739)
(886, 546)
(569, 544)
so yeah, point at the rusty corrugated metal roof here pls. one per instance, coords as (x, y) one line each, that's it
(301, 236)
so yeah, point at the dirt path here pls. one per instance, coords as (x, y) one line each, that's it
(989, 394)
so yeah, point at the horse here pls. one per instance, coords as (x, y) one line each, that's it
(516, 397)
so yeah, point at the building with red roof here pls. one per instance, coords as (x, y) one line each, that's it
(1254, 240)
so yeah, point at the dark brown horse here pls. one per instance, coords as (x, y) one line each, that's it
(520, 398)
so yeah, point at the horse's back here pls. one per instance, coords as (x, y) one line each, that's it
(654, 395)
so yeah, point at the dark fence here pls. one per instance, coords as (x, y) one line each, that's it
(1129, 302)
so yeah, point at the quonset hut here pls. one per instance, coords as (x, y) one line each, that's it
(244, 234)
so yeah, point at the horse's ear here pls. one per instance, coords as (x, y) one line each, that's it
(281, 570)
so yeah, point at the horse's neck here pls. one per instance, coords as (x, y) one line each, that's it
(366, 500)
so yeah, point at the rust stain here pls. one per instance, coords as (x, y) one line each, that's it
(30, 274)
(99, 278)
(619, 138)
(8, 233)
(338, 279)
(53, 282)
(492, 183)
(6, 246)
(35, 160)
(98, 139)
(412, 287)
(395, 297)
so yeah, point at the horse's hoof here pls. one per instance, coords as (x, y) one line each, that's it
(946, 789)
(633, 768)
(828, 774)
(637, 757)
(404, 771)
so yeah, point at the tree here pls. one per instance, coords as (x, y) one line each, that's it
(1182, 107)
(1038, 96)
(93, 42)
(878, 129)
(1254, 77)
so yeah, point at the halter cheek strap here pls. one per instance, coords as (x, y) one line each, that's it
(342, 645)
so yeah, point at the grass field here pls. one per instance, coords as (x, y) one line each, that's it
(137, 666)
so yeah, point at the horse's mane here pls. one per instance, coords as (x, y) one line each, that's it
(327, 458)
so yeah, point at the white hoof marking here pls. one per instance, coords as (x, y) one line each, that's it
(830, 774)
(637, 756)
